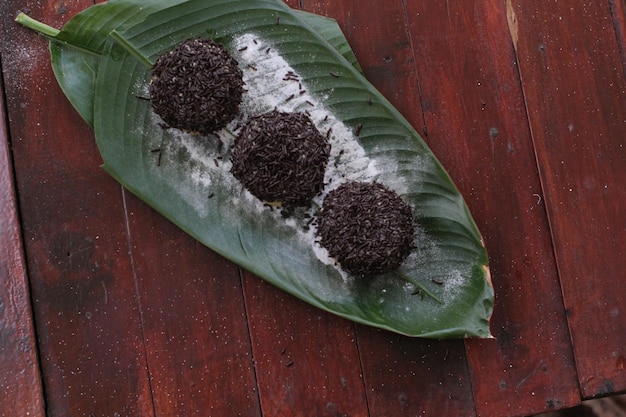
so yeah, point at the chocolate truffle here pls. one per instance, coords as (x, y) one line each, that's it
(281, 158)
(366, 227)
(196, 87)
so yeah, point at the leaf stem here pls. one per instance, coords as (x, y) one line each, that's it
(419, 285)
(51, 33)
(27, 21)
(124, 43)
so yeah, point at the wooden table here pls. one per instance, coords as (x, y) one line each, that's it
(106, 309)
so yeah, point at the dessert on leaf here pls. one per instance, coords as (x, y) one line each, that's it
(197, 86)
(366, 227)
(281, 158)
(368, 196)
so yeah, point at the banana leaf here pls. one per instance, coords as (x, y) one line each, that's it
(78, 48)
(102, 59)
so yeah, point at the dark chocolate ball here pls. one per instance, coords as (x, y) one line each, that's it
(196, 87)
(366, 227)
(281, 158)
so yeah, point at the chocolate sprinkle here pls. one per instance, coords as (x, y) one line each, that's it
(366, 227)
(196, 87)
(281, 157)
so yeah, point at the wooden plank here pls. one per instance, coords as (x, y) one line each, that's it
(194, 321)
(576, 95)
(403, 376)
(306, 360)
(20, 383)
(64, 214)
(378, 37)
(415, 377)
(618, 13)
(477, 126)
(84, 299)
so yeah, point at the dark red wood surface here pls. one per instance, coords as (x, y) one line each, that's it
(19, 381)
(524, 102)
(402, 376)
(477, 125)
(576, 99)
(194, 324)
(84, 294)
(307, 361)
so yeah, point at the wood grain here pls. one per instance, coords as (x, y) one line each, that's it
(407, 376)
(618, 13)
(377, 34)
(524, 102)
(402, 376)
(576, 95)
(306, 360)
(84, 298)
(194, 321)
(20, 383)
(477, 126)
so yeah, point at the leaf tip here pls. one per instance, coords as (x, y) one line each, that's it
(487, 271)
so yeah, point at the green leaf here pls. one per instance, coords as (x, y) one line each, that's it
(443, 290)
(76, 54)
